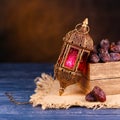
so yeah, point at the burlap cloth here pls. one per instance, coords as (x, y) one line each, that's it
(47, 95)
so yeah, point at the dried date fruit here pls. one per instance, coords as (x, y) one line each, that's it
(105, 44)
(115, 48)
(94, 58)
(115, 56)
(103, 51)
(105, 57)
(97, 94)
(90, 97)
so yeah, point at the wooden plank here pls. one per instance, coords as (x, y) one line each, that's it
(104, 70)
(110, 86)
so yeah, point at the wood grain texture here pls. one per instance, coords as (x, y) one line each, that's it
(104, 70)
(105, 75)
(110, 86)
(19, 80)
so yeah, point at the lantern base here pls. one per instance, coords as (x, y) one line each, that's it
(61, 91)
(67, 78)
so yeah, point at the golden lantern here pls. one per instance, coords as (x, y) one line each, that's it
(71, 66)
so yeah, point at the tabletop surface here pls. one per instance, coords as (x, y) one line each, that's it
(18, 79)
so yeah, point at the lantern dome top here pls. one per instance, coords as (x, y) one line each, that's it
(80, 36)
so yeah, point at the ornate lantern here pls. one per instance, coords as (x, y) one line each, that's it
(71, 66)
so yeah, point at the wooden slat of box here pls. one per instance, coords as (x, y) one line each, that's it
(104, 70)
(106, 76)
(110, 86)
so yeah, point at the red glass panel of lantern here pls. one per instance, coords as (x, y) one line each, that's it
(83, 63)
(71, 58)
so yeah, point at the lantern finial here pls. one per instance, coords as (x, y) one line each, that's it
(84, 28)
(85, 22)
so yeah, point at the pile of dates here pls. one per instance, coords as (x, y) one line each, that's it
(105, 52)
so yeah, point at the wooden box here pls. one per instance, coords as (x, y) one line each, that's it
(106, 76)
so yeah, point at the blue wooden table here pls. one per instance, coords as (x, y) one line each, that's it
(19, 80)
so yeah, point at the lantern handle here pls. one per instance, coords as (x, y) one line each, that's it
(80, 26)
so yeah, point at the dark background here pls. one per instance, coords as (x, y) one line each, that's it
(32, 30)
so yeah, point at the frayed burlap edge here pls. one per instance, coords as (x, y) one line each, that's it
(47, 95)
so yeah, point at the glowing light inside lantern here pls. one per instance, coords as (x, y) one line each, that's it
(71, 58)
(82, 65)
